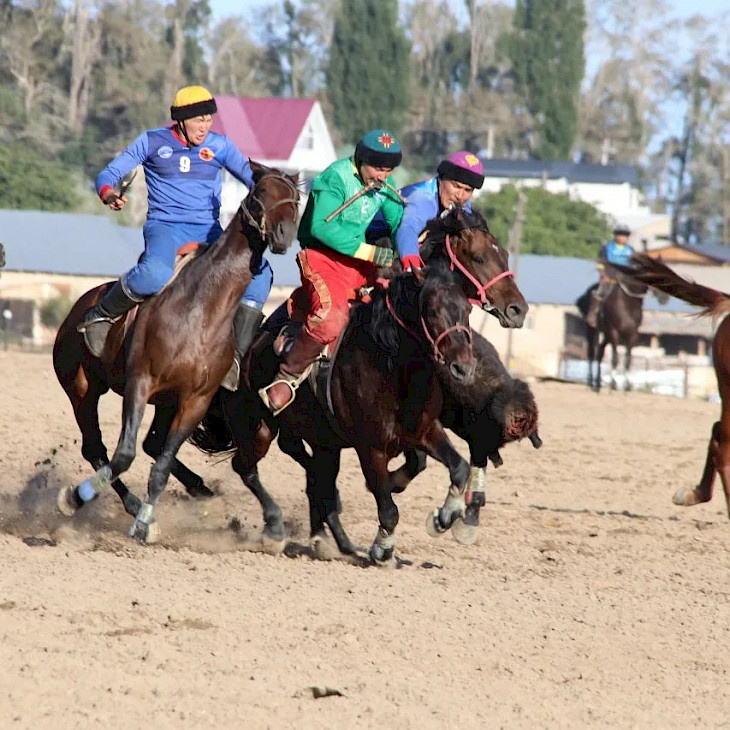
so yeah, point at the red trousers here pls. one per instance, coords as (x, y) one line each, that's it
(330, 281)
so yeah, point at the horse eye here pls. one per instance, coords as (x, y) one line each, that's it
(478, 259)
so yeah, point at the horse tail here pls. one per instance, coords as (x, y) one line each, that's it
(660, 276)
(212, 434)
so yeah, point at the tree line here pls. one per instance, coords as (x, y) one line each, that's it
(588, 80)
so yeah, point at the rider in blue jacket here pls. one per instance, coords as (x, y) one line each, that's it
(616, 251)
(183, 164)
(458, 176)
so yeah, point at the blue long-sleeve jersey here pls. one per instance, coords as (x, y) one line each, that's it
(614, 253)
(422, 204)
(183, 183)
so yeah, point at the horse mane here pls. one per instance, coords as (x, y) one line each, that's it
(403, 290)
(455, 221)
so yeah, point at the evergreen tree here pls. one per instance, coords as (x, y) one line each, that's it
(554, 224)
(547, 57)
(368, 70)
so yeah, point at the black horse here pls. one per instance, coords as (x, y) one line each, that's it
(619, 320)
(494, 409)
(384, 395)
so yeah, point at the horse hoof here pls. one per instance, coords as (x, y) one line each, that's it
(433, 524)
(154, 534)
(685, 497)
(380, 555)
(464, 534)
(271, 545)
(67, 501)
(200, 491)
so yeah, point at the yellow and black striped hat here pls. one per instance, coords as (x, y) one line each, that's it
(192, 101)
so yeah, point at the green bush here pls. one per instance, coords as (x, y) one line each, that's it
(54, 311)
(553, 225)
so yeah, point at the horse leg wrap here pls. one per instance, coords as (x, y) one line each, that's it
(475, 494)
(91, 488)
(143, 519)
(383, 546)
(453, 507)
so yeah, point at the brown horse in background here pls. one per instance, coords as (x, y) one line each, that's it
(715, 304)
(174, 353)
(619, 320)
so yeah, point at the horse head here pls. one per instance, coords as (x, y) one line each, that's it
(272, 206)
(431, 306)
(463, 240)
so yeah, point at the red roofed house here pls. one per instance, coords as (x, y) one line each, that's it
(290, 134)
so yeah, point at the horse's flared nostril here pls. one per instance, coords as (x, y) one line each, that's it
(516, 313)
(463, 372)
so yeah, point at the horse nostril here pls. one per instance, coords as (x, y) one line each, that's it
(516, 313)
(461, 372)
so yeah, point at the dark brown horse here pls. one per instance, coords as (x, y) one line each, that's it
(619, 320)
(653, 273)
(458, 240)
(494, 409)
(176, 351)
(384, 393)
(463, 240)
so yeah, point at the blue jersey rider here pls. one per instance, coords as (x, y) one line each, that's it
(183, 164)
(617, 251)
(458, 176)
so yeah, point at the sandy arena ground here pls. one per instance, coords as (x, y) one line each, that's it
(589, 600)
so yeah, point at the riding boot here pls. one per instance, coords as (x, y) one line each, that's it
(98, 320)
(293, 371)
(246, 323)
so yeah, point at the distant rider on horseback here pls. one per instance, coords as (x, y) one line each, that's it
(616, 251)
(183, 164)
(335, 261)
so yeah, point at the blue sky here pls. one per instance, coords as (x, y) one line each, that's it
(683, 8)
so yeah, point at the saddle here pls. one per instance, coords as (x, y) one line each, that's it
(266, 360)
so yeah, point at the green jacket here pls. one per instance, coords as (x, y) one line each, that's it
(346, 232)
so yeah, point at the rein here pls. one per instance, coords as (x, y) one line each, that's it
(483, 300)
(261, 226)
(438, 357)
(630, 293)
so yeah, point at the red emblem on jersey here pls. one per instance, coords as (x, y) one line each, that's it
(206, 154)
(386, 140)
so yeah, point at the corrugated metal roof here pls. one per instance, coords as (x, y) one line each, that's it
(68, 243)
(265, 128)
(571, 171)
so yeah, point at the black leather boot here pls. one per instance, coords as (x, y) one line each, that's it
(246, 323)
(99, 319)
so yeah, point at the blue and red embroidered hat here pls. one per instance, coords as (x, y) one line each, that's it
(464, 167)
(378, 148)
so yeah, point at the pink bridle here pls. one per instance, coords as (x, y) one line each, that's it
(480, 289)
(433, 342)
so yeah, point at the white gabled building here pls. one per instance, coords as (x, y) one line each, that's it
(290, 134)
(613, 189)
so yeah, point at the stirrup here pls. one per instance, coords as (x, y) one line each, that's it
(293, 381)
(232, 377)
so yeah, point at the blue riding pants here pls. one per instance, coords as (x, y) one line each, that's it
(161, 242)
